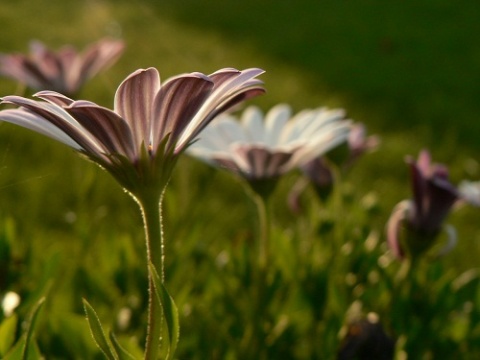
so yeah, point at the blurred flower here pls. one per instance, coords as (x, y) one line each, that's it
(366, 339)
(150, 125)
(260, 148)
(64, 71)
(359, 143)
(320, 170)
(470, 192)
(422, 217)
(10, 302)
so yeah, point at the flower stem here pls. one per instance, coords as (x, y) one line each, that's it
(152, 218)
(264, 232)
(257, 346)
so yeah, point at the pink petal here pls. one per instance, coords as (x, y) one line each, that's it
(107, 127)
(58, 117)
(176, 104)
(54, 98)
(134, 102)
(398, 216)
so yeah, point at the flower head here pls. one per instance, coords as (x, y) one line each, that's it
(64, 71)
(260, 148)
(422, 217)
(151, 123)
(359, 142)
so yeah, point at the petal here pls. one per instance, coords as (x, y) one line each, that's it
(58, 117)
(470, 192)
(107, 127)
(319, 143)
(231, 87)
(451, 240)
(394, 224)
(134, 103)
(100, 55)
(44, 60)
(441, 197)
(220, 135)
(259, 163)
(419, 186)
(54, 98)
(38, 124)
(252, 121)
(278, 164)
(275, 122)
(95, 58)
(31, 75)
(176, 104)
(424, 163)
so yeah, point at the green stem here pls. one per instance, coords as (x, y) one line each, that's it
(152, 218)
(256, 348)
(264, 233)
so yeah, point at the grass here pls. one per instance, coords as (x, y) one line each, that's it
(408, 69)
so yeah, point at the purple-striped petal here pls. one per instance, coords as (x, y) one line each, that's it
(107, 127)
(58, 117)
(54, 97)
(99, 56)
(176, 104)
(44, 60)
(38, 124)
(134, 102)
(260, 162)
(230, 87)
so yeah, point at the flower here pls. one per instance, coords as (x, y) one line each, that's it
(422, 217)
(320, 170)
(359, 142)
(151, 123)
(470, 192)
(64, 71)
(258, 148)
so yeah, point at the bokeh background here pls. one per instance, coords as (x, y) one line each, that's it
(409, 70)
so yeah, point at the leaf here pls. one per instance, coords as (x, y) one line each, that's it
(97, 332)
(7, 333)
(170, 311)
(17, 352)
(26, 348)
(31, 327)
(121, 352)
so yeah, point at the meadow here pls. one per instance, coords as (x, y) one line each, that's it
(408, 70)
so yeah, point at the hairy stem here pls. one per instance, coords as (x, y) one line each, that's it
(152, 218)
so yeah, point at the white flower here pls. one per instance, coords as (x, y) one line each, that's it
(258, 147)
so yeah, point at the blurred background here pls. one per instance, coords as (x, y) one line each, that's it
(409, 70)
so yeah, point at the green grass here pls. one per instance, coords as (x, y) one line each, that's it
(407, 69)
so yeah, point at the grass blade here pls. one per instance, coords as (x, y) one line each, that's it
(31, 327)
(170, 312)
(121, 352)
(97, 332)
